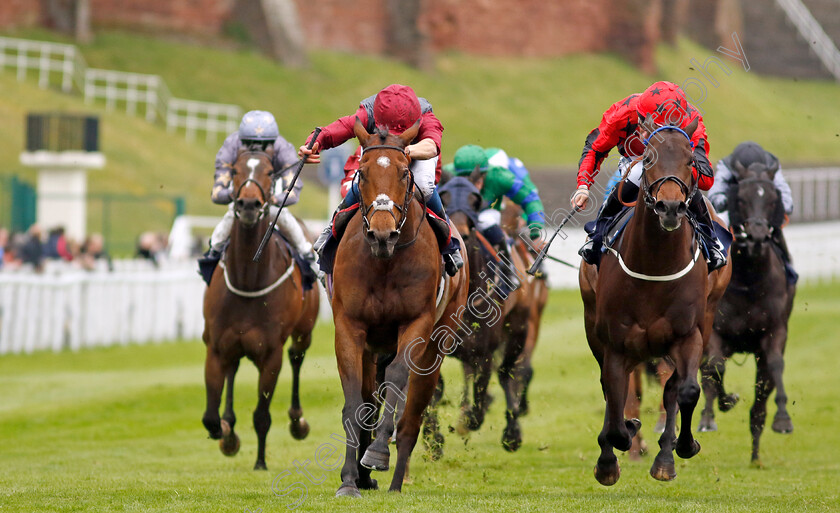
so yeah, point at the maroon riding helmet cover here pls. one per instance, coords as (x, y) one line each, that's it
(397, 108)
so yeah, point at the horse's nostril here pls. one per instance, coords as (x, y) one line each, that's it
(240, 203)
(394, 235)
(659, 208)
(682, 208)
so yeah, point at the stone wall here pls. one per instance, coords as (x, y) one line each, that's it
(531, 28)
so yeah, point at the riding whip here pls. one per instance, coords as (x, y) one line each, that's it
(286, 197)
(544, 251)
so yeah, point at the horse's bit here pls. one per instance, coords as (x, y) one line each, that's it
(383, 202)
(647, 187)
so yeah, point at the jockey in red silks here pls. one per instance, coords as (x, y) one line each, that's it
(623, 125)
(396, 108)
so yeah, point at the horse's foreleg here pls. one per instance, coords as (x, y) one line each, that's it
(663, 467)
(687, 361)
(214, 382)
(712, 372)
(469, 378)
(758, 412)
(297, 424)
(349, 343)
(776, 365)
(516, 335)
(392, 397)
(663, 374)
(269, 372)
(484, 371)
(366, 417)
(632, 410)
(421, 353)
(230, 441)
(616, 432)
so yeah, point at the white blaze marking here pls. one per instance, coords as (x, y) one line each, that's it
(253, 163)
(383, 202)
(383, 161)
(760, 193)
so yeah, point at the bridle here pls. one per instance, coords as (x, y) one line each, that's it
(648, 187)
(386, 204)
(273, 174)
(739, 230)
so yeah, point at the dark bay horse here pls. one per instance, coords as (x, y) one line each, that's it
(753, 314)
(251, 309)
(389, 297)
(653, 297)
(509, 329)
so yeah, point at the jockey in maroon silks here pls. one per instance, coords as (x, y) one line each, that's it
(624, 126)
(396, 108)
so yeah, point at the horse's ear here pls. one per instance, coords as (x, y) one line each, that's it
(270, 151)
(361, 132)
(773, 168)
(476, 201)
(692, 127)
(241, 150)
(411, 133)
(475, 177)
(740, 170)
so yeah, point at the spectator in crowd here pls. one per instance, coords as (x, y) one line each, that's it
(32, 250)
(57, 246)
(4, 242)
(151, 246)
(93, 250)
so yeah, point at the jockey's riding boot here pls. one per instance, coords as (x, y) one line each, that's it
(509, 270)
(207, 263)
(591, 250)
(450, 247)
(326, 233)
(717, 253)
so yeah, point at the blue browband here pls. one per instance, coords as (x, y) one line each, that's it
(668, 127)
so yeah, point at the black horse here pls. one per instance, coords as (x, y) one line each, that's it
(753, 314)
(462, 201)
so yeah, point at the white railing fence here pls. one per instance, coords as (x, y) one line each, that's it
(64, 308)
(136, 93)
(816, 193)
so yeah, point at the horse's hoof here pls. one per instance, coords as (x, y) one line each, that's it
(609, 476)
(512, 439)
(462, 429)
(348, 490)
(376, 460)
(663, 472)
(782, 425)
(229, 444)
(728, 402)
(633, 426)
(707, 425)
(367, 484)
(299, 428)
(260, 465)
(756, 463)
(689, 452)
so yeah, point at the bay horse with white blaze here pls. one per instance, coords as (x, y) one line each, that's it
(753, 314)
(251, 309)
(653, 297)
(388, 296)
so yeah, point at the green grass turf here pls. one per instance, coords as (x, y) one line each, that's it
(119, 429)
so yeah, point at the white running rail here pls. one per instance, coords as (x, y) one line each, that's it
(137, 93)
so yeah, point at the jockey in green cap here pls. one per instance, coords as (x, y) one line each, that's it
(502, 176)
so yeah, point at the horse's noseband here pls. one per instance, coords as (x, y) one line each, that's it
(263, 194)
(383, 202)
(648, 187)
